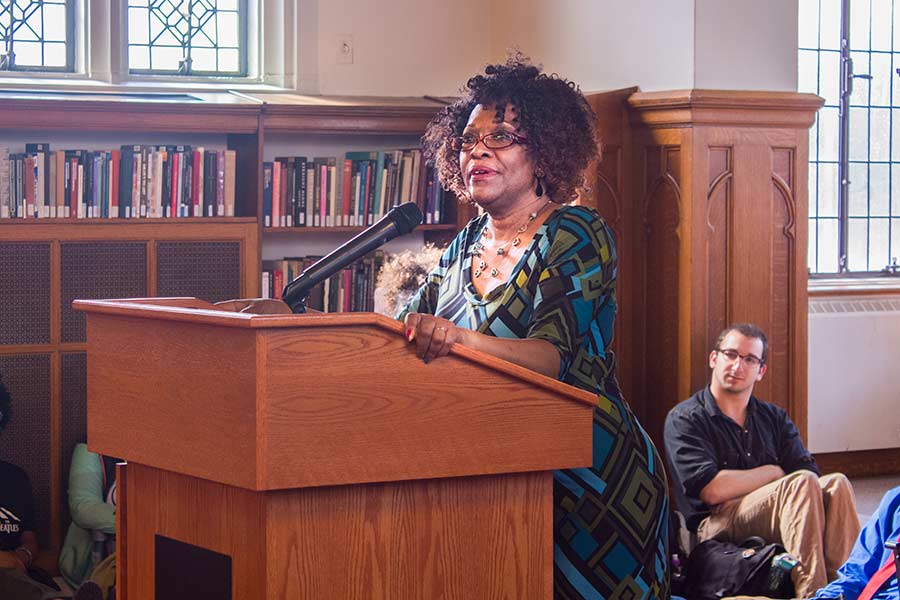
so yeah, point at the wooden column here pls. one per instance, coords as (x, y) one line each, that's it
(720, 205)
(706, 193)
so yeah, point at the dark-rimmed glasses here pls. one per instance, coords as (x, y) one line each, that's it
(749, 360)
(495, 141)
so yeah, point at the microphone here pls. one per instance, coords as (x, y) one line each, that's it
(400, 220)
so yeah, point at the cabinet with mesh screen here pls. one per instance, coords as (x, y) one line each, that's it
(43, 267)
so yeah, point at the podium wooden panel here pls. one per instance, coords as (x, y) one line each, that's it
(323, 457)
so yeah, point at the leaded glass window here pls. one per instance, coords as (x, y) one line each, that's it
(188, 37)
(37, 35)
(855, 229)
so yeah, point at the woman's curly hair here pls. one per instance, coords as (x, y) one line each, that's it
(552, 113)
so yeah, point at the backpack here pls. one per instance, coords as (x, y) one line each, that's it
(719, 569)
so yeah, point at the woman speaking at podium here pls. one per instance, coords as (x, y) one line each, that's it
(532, 281)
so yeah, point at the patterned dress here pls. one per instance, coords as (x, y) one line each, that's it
(610, 520)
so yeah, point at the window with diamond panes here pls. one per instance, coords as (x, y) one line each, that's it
(187, 37)
(37, 35)
(872, 220)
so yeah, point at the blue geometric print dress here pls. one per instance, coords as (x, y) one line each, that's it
(610, 520)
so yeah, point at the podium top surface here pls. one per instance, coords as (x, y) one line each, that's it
(194, 310)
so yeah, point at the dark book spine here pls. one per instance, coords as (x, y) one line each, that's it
(300, 191)
(43, 150)
(209, 182)
(290, 193)
(267, 194)
(142, 184)
(126, 164)
(187, 171)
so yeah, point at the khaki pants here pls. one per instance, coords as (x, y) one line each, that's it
(813, 517)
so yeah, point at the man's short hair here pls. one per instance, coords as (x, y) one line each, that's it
(747, 330)
(5, 404)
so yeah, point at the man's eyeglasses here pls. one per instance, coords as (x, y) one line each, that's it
(494, 141)
(749, 360)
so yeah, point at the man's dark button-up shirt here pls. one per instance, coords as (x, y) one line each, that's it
(701, 441)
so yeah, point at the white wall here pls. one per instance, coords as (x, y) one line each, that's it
(401, 47)
(745, 45)
(419, 47)
(602, 44)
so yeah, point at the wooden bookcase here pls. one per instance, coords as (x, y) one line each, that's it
(46, 263)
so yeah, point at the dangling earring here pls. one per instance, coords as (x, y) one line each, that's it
(539, 190)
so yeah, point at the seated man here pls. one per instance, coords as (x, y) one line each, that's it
(18, 542)
(869, 556)
(741, 470)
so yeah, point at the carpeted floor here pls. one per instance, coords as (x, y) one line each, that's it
(869, 491)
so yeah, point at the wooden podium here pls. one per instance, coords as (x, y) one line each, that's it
(314, 456)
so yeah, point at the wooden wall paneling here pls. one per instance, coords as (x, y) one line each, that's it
(735, 251)
(152, 269)
(861, 463)
(610, 193)
(659, 238)
(72, 427)
(712, 269)
(798, 406)
(57, 468)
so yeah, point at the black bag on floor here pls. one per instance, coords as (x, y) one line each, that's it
(719, 569)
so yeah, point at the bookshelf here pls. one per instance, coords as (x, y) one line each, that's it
(47, 262)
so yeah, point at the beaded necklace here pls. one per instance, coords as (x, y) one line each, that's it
(479, 247)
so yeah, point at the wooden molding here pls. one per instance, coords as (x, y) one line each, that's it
(861, 463)
(223, 114)
(719, 235)
(689, 108)
(869, 286)
(323, 114)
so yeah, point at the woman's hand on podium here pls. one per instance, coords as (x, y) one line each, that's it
(256, 306)
(432, 335)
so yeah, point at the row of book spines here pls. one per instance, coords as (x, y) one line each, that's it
(350, 290)
(298, 192)
(133, 182)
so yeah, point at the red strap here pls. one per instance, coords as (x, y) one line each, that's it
(878, 579)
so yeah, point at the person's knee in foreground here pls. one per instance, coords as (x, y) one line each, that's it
(871, 571)
(742, 470)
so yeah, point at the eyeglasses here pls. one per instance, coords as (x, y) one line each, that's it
(494, 141)
(749, 360)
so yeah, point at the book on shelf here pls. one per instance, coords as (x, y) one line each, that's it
(350, 191)
(133, 181)
(350, 290)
